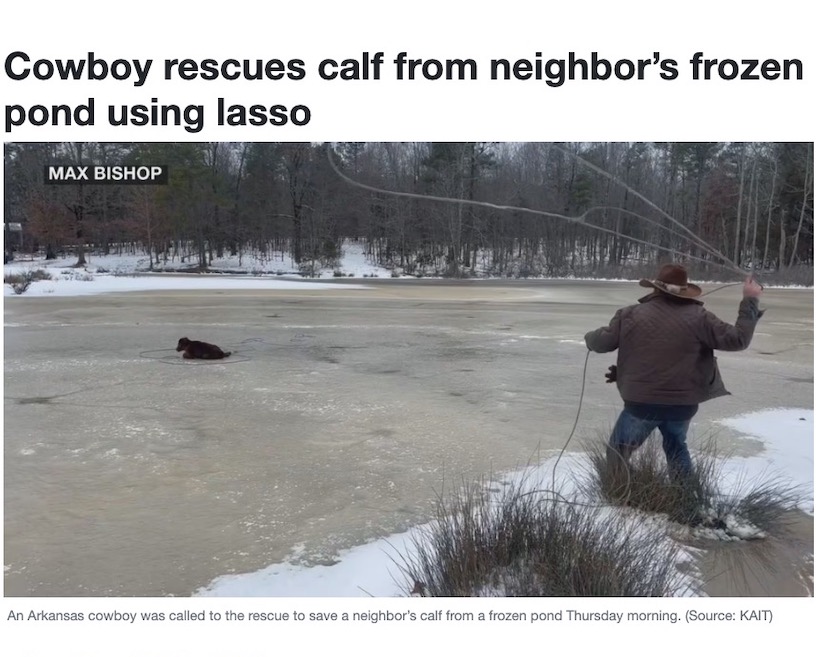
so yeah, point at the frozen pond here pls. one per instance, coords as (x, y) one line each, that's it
(339, 417)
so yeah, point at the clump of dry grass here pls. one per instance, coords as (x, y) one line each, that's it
(517, 543)
(644, 483)
(702, 500)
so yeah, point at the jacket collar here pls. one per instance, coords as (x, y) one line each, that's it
(660, 295)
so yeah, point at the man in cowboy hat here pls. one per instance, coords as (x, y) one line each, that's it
(666, 364)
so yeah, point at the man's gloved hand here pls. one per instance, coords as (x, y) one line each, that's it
(612, 375)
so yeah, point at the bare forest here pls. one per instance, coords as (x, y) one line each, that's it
(500, 209)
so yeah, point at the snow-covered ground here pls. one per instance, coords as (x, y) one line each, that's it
(126, 273)
(372, 570)
(788, 449)
(71, 283)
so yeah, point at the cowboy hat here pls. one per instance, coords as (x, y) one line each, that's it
(672, 280)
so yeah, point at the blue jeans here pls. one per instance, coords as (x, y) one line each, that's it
(630, 432)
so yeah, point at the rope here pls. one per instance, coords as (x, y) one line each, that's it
(580, 219)
(574, 424)
(169, 357)
(693, 237)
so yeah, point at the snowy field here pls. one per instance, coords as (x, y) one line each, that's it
(126, 273)
(372, 570)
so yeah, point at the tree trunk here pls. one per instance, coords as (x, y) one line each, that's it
(79, 212)
(781, 256)
(769, 215)
(807, 182)
(744, 254)
(754, 224)
(736, 252)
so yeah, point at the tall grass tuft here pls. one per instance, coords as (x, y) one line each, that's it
(704, 500)
(518, 543)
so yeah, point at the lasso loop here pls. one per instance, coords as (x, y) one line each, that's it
(580, 220)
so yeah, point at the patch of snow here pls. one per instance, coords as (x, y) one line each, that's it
(788, 438)
(105, 283)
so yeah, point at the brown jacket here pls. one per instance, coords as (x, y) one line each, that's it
(666, 348)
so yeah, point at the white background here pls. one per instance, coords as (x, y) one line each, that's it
(389, 110)
(649, 109)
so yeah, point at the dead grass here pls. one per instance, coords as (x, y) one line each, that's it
(515, 543)
(704, 500)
